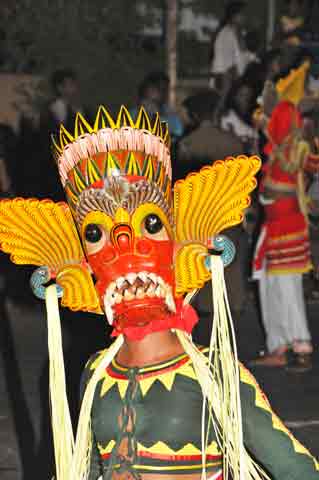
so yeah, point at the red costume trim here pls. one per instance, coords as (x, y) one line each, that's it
(184, 319)
(178, 458)
(157, 370)
(284, 246)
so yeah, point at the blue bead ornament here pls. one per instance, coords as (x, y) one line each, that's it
(223, 244)
(38, 279)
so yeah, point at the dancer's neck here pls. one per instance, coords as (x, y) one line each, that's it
(154, 348)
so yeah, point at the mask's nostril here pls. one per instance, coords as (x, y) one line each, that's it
(109, 253)
(144, 246)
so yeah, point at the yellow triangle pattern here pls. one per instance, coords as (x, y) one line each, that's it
(167, 378)
(122, 386)
(163, 449)
(262, 402)
(188, 449)
(109, 382)
(111, 165)
(132, 168)
(167, 192)
(146, 384)
(149, 171)
(73, 198)
(81, 126)
(78, 182)
(92, 174)
(105, 120)
(161, 178)
(96, 362)
(65, 137)
(187, 370)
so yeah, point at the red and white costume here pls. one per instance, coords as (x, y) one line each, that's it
(283, 249)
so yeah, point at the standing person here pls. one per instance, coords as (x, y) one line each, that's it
(230, 55)
(204, 140)
(154, 405)
(66, 102)
(237, 118)
(62, 109)
(153, 96)
(283, 251)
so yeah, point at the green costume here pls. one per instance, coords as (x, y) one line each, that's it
(149, 420)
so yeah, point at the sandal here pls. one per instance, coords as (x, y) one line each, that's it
(299, 362)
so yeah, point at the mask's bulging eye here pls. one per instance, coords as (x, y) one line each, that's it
(93, 233)
(153, 224)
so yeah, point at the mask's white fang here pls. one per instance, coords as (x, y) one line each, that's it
(108, 312)
(169, 300)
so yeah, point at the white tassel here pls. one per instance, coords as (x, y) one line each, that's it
(218, 376)
(72, 458)
(60, 414)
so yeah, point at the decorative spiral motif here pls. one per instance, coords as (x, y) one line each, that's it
(38, 279)
(223, 244)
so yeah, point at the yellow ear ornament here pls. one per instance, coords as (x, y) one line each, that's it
(43, 233)
(205, 204)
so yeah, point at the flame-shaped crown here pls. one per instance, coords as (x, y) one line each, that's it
(145, 135)
(111, 148)
(105, 120)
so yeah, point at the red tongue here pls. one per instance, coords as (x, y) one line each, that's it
(139, 312)
(146, 318)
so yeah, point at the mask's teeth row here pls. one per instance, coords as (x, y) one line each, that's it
(139, 292)
(131, 278)
(137, 286)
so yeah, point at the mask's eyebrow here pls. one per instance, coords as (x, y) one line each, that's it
(120, 193)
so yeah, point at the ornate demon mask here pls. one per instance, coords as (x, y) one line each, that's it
(125, 243)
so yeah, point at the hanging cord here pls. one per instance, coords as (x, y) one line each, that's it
(80, 467)
(63, 437)
(218, 376)
(72, 458)
(223, 356)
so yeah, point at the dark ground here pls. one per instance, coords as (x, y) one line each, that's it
(25, 443)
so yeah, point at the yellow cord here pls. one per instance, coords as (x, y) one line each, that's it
(218, 376)
(72, 457)
(82, 455)
(60, 415)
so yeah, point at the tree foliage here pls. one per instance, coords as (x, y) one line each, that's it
(99, 39)
(102, 41)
